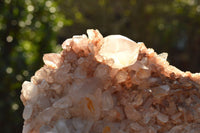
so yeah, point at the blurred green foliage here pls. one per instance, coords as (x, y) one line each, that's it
(30, 28)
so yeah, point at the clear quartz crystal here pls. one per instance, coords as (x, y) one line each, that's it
(27, 111)
(64, 102)
(136, 127)
(52, 60)
(47, 114)
(143, 73)
(162, 118)
(43, 101)
(163, 55)
(121, 76)
(44, 84)
(102, 71)
(61, 127)
(62, 75)
(29, 90)
(160, 91)
(132, 113)
(45, 129)
(121, 49)
(81, 126)
(57, 88)
(107, 101)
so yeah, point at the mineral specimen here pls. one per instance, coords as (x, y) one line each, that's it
(110, 85)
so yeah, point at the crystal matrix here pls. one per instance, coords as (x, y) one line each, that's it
(110, 85)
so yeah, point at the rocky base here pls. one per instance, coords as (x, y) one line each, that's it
(110, 85)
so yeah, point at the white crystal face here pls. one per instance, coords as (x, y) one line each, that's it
(120, 49)
(29, 90)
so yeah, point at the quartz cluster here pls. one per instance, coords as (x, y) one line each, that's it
(110, 85)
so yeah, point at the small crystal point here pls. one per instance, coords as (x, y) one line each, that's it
(163, 55)
(27, 111)
(52, 60)
(29, 90)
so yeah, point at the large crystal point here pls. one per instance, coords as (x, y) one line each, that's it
(123, 51)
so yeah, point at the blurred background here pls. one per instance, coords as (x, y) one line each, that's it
(30, 28)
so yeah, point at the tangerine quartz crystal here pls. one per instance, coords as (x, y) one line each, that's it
(110, 85)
